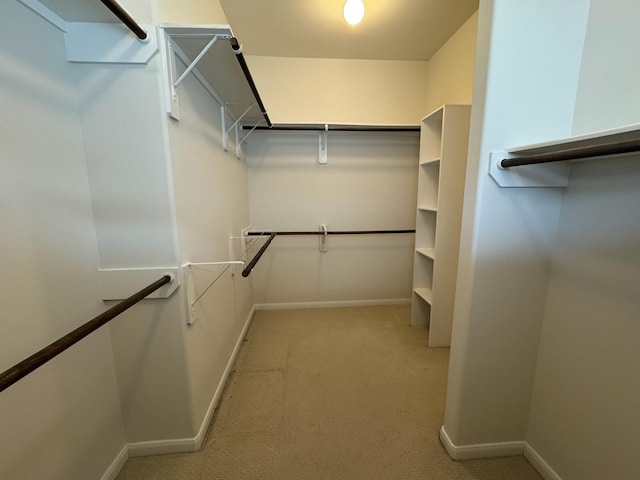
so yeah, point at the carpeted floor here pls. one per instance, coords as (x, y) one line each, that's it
(341, 393)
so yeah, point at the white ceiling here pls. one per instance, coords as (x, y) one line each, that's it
(390, 30)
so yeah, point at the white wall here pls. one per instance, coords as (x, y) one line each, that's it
(211, 198)
(545, 329)
(62, 421)
(508, 234)
(585, 408)
(449, 76)
(197, 12)
(322, 90)
(369, 183)
(608, 93)
(121, 112)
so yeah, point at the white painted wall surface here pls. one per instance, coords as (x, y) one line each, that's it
(121, 110)
(197, 12)
(369, 183)
(508, 234)
(322, 90)
(609, 88)
(450, 71)
(212, 204)
(585, 410)
(62, 421)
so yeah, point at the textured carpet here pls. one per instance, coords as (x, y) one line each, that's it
(341, 393)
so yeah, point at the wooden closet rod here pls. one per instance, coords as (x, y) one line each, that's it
(254, 260)
(28, 365)
(272, 235)
(335, 128)
(336, 232)
(590, 152)
(237, 49)
(125, 18)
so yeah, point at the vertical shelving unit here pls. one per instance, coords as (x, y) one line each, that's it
(444, 138)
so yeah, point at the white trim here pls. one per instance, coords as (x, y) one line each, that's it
(181, 445)
(227, 371)
(114, 469)
(539, 464)
(46, 13)
(481, 450)
(161, 447)
(332, 304)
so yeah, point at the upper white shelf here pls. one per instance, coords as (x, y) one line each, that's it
(616, 135)
(218, 66)
(547, 164)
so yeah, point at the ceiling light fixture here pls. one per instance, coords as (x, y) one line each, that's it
(353, 11)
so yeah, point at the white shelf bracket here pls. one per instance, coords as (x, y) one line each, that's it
(322, 146)
(323, 238)
(192, 296)
(238, 143)
(223, 127)
(174, 79)
(241, 117)
(235, 126)
(195, 61)
(250, 132)
(169, 56)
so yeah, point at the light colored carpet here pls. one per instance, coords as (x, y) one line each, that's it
(341, 393)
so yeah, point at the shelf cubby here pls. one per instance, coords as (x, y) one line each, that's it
(442, 167)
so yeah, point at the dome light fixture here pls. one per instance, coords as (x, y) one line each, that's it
(353, 11)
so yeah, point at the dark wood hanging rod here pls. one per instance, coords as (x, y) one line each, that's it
(335, 232)
(237, 49)
(125, 18)
(247, 270)
(25, 367)
(335, 128)
(254, 260)
(582, 153)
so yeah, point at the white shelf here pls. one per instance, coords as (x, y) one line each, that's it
(427, 252)
(556, 174)
(424, 293)
(429, 162)
(621, 134)
(425, 208)
(219, 66)
(443, 152)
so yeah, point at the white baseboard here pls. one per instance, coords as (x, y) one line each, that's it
(117, 464)
(480, 450)
(502, 449)
(332, 304)
(539, 464)
(161, 447)
(182, 445)
(223, 381)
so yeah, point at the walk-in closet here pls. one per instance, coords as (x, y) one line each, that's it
(258, 239)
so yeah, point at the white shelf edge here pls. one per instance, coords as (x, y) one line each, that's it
(425, 208)
(429, 162)
(424, 293)
(632, 130)
(427, 252)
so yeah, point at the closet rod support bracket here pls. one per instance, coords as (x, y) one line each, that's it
(323, 237)
(322, 146)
